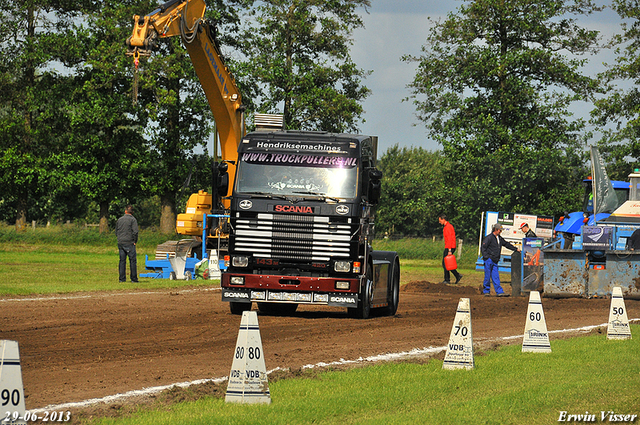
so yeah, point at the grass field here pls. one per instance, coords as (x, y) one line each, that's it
(586, 374)
(63, 259)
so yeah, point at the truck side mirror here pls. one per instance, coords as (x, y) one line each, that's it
(222, 179)
(375, 186)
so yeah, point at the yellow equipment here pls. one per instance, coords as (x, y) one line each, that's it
(186, 18)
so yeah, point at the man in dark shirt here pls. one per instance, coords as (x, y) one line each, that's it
(528, 233)
(127, 235)
(633, 243)
(491, 246)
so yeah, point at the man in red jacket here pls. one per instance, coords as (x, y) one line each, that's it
(449, 235)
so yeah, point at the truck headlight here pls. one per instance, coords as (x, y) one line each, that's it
(240, 261)
(342, 266)
(341, 284)
(237, 280)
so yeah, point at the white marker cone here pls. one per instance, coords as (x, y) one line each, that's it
(460, 349)
(214, 265)
(11, 389)
(536, 337)
(618, 327)
(248, 376)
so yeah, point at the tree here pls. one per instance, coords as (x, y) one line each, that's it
(34, 35)
(298, 53)
(106, 148)
(618, 114)
(493, 86)
(413, 191)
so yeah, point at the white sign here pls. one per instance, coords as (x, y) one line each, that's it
(11, 389)
(248, 376)
(618, 327)
(460, 349)
(536, 336)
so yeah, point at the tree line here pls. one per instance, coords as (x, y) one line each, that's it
(83, 132)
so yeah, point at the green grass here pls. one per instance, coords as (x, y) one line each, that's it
(68, 258)
(506, 387)
(64, 259)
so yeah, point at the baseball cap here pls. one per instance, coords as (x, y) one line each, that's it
(523, 224)
(497, 226)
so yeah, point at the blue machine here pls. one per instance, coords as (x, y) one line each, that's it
(598, 259)
(162, 268)
(569, 228)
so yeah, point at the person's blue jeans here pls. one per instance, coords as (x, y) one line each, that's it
(491, 273)
(128, 250)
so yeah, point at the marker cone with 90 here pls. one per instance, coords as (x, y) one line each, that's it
(11, 389)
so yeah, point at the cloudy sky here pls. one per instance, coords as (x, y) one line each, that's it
(397, 27)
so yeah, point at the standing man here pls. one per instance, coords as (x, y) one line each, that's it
(449, 236)
(633, 243)
(127, 235)
(491, 246)
(528, 233)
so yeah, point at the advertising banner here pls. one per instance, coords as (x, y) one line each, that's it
(596, 237)
(532, 264)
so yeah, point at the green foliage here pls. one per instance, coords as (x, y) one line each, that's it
(298, 55)
(618, 114)
(426, 249)
(415, 190)
(493, 86)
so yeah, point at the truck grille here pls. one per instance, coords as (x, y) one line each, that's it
(293, 237)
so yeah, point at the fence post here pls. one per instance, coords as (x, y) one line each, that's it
(459, 250)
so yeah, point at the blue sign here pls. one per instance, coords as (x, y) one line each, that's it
(596, 237)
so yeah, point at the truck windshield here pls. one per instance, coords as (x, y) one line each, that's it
(295, 174)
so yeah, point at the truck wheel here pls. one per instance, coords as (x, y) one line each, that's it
(393, 295)
(239, 308)
(363, 311)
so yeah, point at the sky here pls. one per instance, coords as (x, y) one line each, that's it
(397, 27)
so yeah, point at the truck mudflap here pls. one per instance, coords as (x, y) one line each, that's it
(246, 295)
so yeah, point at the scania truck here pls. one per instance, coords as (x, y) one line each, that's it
(301, 226)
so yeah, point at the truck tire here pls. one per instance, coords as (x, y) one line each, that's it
(393, 294)
(363, 311)
(239, 308)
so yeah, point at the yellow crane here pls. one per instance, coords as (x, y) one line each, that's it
(185, 18)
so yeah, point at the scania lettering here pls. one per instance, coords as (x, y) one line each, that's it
(301, 225)
(290, 208)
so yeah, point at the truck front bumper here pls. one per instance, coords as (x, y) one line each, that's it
(290, 289)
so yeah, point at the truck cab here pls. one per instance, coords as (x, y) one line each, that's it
(301, 223)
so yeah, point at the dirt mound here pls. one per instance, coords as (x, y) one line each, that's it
(439, 288)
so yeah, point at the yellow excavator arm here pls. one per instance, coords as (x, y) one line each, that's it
(186, 18)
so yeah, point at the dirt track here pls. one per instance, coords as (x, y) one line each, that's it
(98, 345)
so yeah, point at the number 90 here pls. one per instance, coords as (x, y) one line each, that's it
(12, 397)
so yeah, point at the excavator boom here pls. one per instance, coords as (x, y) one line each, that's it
(186, 19)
